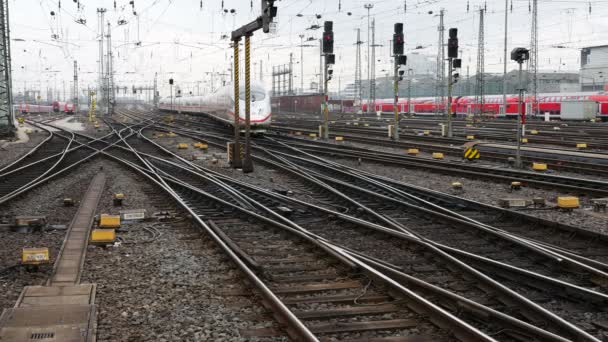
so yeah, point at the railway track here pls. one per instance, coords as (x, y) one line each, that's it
(192, 189)
(576, 185)
(452, 147)
(398, 254)
(295, 284)
(566, 135)
(579, 186)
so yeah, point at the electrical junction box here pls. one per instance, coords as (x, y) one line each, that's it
(568, 202)
(103, 236)
(109, 221)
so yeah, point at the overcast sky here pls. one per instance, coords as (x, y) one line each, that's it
(181, 40)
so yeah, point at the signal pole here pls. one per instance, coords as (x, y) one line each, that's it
(533, 66)
(504, 77)
(452, 54)
(75, 90)
(155, 98)
(398, 49)
(440, 63)
(328, 51)
(520, 55)
(480, 82)
(269, 11)
(358, 81)
(6, 94)
(301, 63)
(369, 6)
(100, 92)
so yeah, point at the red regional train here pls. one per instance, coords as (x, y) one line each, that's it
(463, 105)
(68, 108)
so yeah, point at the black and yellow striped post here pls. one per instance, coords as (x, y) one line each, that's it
(248, 163)
(472, 153)
(236, 153)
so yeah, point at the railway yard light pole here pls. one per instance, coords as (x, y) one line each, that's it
(520, 55)
(269, 12)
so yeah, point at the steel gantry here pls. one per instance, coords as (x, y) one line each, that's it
(6, 95)
(269, 11)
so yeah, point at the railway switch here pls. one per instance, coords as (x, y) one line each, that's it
(524, 140)
(427, 132)
(118, 198)
(171, 135)
(568, 202)
(313, 135)
(68, 202)
(581, 146)
(413, 151)
(539, 167)
(109, 221)
(35, 256)
(339, 138)
(103, 236)
(470, 137)
(182, 146)
(438, 155)
(534, 132)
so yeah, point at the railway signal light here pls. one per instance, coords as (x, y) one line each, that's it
(328, 38)
(402, 60)
(330, 59)
(269, 12)
(171, 81)
(401, 73)
(520, 55)
(398, 40)
(457, 63)
(453, 43)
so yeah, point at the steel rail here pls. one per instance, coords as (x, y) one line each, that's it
(29, 153)
(575, 327)
(456, 218)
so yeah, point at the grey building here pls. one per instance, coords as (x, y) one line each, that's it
(594, 68)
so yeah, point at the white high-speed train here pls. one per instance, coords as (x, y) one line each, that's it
(220, 106)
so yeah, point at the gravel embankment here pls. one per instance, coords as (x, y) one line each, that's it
(10, 152)
(46, 200)
(172, 287)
